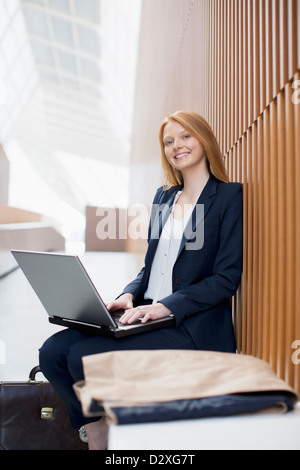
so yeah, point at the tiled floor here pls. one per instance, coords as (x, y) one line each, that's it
(23, 321)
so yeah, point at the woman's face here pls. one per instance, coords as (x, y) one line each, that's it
(182, 150)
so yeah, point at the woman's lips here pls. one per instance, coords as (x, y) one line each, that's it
(181, 156)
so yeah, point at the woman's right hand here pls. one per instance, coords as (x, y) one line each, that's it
(124, 302)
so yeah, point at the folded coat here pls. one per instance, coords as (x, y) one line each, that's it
(145, 386)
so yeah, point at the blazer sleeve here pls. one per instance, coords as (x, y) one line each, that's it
(227, 267)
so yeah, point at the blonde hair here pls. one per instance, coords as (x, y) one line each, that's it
(200, 129)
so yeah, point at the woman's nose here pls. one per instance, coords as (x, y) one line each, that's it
(177, 144)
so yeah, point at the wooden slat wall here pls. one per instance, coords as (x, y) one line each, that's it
(236, 65)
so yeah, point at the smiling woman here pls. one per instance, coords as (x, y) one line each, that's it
(192, 125)
(192, 281)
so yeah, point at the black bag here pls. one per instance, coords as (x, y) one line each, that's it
(34, 417)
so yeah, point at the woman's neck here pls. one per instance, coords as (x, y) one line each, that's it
(193, 183)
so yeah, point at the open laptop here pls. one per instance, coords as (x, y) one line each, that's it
(71, 299)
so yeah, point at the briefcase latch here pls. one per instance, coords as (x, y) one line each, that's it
(47, 413)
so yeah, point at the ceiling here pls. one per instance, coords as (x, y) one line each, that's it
(67, 76)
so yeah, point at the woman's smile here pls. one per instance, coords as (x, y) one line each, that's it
(182, 155)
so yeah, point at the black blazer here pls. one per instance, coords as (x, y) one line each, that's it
(204, 278)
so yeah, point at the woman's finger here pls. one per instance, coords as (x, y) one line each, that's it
(131, 315)
(146, 317)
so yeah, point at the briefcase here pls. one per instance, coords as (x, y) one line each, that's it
(34, 417)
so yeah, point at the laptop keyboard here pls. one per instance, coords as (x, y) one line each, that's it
(118, 315)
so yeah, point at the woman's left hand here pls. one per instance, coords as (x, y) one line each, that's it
(147, 312)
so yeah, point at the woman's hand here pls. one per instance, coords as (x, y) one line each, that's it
(147, 312)
(124, 302)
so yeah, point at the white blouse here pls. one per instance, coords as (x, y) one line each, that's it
(160, 280)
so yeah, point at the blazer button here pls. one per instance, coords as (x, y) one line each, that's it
(178, 281)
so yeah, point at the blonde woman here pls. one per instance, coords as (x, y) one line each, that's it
(192, 266)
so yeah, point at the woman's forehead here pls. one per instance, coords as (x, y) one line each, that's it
(173, 126)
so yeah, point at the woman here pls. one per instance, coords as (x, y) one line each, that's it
(192, 266)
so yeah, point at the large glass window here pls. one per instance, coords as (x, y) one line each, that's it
(67, 85)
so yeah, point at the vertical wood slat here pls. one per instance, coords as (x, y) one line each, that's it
(231, 66)
(267, 234)
(219, 71)
(243, 345)
(292, 34)
(297, 35)
(245, 68)
(275, 48)
(239, 295)
(243, 85)
(250, 117)
(238, 96)
(290, 232)
(261, 217)
(249, 265)
(273, 240)
(283, 42)
(256, 60)
(228, 59)
(281, 188)
(255, 246)
(296, 113)
(262, 73)
(268, 49)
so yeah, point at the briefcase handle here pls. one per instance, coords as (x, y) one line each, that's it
(33, 373)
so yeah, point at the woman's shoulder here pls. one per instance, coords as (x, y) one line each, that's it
(230, 195)
(231, 188)
(163, 193)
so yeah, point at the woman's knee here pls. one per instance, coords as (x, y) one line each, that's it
(90, 345)
(74, 363)
(55, 349)
(46, 352)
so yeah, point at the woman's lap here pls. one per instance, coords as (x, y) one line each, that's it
(71, 345)
(61, 357)
(166, 338)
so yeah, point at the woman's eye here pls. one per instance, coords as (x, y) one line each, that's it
(186, 136)
(168, 142)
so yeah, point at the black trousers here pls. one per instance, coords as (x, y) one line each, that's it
(61, 357)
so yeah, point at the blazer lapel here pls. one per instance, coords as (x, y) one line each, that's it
(161, 214)
(163, 211)
(197, 217)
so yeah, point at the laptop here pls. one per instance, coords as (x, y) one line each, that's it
(70, 298)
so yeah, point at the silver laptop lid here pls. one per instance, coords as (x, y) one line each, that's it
(64, 287)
